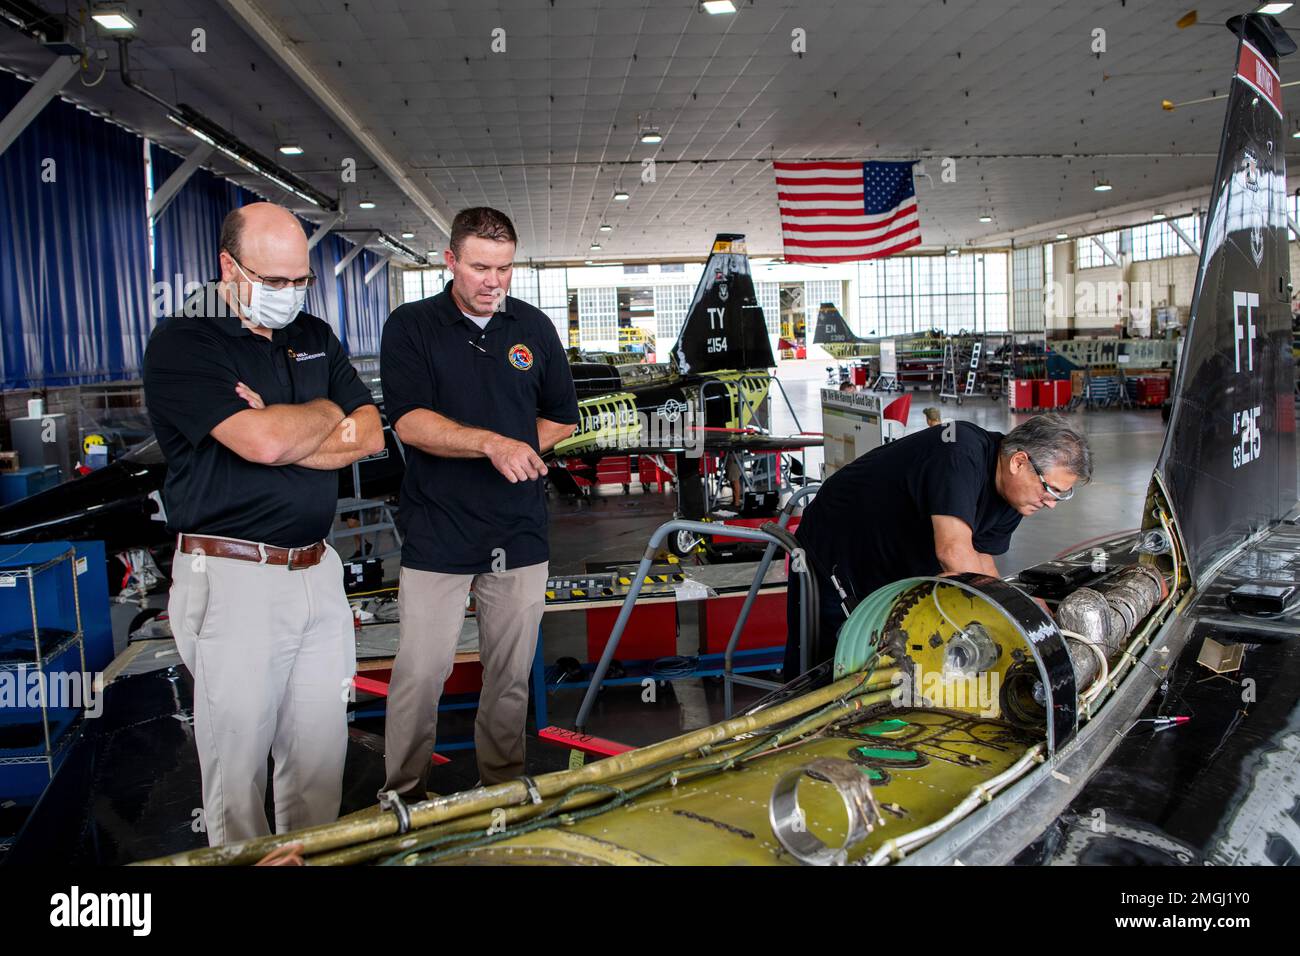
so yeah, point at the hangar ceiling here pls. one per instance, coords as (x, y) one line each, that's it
(547, 128)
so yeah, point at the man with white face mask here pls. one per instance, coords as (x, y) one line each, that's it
(255, 407)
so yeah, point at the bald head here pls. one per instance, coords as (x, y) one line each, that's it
(265, 238)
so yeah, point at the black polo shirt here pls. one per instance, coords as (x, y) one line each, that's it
(456, 513)
(190, 369)
(870, 524)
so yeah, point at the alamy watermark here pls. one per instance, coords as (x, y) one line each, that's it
(34, 688)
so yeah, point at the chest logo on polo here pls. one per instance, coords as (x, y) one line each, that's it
(304, 356)
(521, 357)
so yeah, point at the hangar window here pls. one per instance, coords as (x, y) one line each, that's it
(598, 319)
(671, 303)
(910, 293)
(421, 283)
(1088, 256)
(769, 300)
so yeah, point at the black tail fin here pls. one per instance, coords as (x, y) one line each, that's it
(1229, 462)
(724, 327)
(832, 329)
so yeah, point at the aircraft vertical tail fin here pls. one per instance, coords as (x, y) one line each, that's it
(832, 329)
(724, 327)
(1228, 463)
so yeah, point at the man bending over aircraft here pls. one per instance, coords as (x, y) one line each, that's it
(939, 501)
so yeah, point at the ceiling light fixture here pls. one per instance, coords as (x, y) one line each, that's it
(112, 17)
(716, 7)
(408, 235)
(366, 204)
(605, 227)
(651, 135)
(1062, 235)
(1157, 216)
(199, 126)
(620, 196)
(1273, 9)
(595, 247)
(952, 252)
(291, 149)
(986, 218)
(402, 249)
(1102, 186)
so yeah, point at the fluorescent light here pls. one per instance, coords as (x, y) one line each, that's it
(117, 20)
(716, 7)
(408, 235)
(1296, 134)
(1062, 235)
(1102, 186)
(621, 196)
(290, 149)
(986, 218)
(366, 204)
(651, 136)
(1157, 216)
(595, 247)
(605, 227)
(1273, 9)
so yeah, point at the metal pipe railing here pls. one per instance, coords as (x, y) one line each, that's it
(728, 675)
(704, 529)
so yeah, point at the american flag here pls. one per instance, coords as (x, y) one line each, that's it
(839, 212)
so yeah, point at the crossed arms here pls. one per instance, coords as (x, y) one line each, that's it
(315, 434)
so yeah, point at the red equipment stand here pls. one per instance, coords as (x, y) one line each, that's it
(1020, 396)
(764, 628)
(650, 473)
(651, 632)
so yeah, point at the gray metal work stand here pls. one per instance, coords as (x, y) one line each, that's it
(704, 529)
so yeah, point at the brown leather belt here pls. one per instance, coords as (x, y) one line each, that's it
(295, 558)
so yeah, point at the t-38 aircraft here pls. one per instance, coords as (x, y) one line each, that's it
(959, 721)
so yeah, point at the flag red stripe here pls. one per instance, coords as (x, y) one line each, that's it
(878, 254)
(796, 166)
(847, 196)
(907, 210)
(822, 211)
(820, 181)
(851, 243)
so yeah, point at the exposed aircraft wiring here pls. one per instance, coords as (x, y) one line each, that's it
(897, 848)
(934, 593)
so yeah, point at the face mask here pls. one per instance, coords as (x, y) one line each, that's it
(273, 308)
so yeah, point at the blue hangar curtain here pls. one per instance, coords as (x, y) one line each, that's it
(187, 235)
(74, 257)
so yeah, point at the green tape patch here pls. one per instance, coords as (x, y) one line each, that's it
(895, 756)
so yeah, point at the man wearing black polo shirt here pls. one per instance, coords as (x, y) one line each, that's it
(477, 387)
(940, 501)
(255, 407)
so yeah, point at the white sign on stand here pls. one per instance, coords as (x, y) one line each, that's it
(852, 425)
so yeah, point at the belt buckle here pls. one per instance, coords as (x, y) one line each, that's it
(289, 561)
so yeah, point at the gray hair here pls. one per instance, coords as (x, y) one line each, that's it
(1052, 442)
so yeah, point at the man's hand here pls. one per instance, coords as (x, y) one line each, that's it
(514, 459)
(247, 394)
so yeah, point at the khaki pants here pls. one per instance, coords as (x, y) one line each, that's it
(272, 652)
(432, 608)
